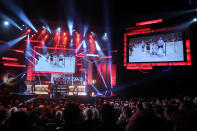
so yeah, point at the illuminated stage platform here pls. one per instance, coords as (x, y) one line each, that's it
(64, 90)
(28, 97)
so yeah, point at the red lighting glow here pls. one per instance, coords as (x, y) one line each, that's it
(46, 36)
(65, 41)
(83, 69)
(47, 82)
(147, 66)
(51, 72)
(106, 57)
(137, 68)
(90, 68)
(13, 64)
(77, 40)
(42, 74)
(79, 64)
(16, 50)
(149, 22)
(92, 45)
(9, 59)
(55, 48)
(33, 41)
(113, 82)
(2, 42)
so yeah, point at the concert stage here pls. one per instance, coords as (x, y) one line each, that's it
(59, 63)
(28, 97)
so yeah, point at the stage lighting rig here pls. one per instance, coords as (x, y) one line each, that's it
(195, 19)
(6, 23)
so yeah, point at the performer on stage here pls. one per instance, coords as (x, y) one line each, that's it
(143, 45)
(33, 83)
(161, 44)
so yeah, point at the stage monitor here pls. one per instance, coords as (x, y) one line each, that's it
(165, 47)
(146, 47)
(51, 60)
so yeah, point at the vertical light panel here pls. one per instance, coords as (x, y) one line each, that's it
(99, 76)
(114, 75)
(149, 22)
(125, 49)
(104, 72)
(93, 48)
(90, 67)
(108, 75)
(29, 71)
(188, 51)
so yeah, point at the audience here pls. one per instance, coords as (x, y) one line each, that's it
(134, 114)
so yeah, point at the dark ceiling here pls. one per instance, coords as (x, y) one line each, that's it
(114, 13)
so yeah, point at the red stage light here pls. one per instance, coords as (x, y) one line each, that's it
(13, 64)
(2, 42)
(113, 80)
(102, 57)
(16, 50)
(149, 22)
(52, 72)
(8, 58)
(28, 30)
(64, 42)
(35, 41)
(55, 48)
(47, 82)
(92, 45)
(135, 31)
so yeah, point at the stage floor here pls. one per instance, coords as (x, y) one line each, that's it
(28, 97)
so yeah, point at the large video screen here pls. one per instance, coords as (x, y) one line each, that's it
(166, 47)
(54, 60)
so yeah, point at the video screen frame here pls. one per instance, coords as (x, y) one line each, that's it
(52, 48)
(156, 34)
(150, 65)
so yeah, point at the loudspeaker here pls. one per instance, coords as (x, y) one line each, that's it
(12, 80)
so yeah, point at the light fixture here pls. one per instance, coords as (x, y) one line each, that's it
(6, 23)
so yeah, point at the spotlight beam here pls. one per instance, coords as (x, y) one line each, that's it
(84, 44)
(11, 43)
(70, 26)
(46, 25)
(38, 53)
(18, 12)
(79, 47)
(85, 30)
(13, 77)
(3, 16)
(100, 74)
(97, 91)
(99, 48)
(29, 60)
